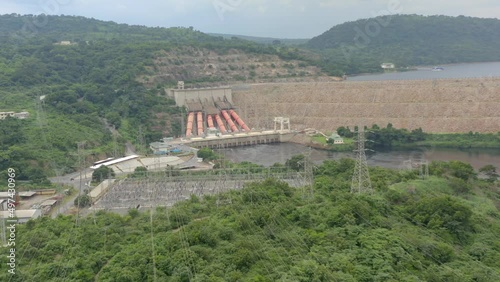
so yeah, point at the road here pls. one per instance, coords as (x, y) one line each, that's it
(72, 179)
(129, 149)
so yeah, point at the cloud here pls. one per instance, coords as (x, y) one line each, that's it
(278, 18)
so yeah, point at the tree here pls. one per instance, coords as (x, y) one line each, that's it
(490, 171)
(296, 162)
(345, 132)
(462, 170)
(102, 173)
(83, 201)
(207, 154)
(457, 169)
(443, 212)
(114, 119)
(139, 172)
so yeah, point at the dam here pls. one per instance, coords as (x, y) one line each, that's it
(436, 106)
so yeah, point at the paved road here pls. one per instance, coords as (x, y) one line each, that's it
(72, 179)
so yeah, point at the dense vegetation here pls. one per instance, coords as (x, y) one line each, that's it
(444, 228)
(408, 40)
(389, 137)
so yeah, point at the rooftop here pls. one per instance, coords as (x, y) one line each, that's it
(21, 213)
(48, 203)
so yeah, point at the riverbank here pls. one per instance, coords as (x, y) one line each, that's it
(464, 142)
(456, 141)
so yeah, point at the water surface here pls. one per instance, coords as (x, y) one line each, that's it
(268, 154)
(472, 70)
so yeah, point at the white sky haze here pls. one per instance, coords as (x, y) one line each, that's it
(278, 18)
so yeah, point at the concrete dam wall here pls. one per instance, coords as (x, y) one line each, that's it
(437, 106)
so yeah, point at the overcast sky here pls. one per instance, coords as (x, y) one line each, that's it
(278, 18)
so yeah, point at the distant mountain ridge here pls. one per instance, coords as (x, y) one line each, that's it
(77, 28)
(409, 40)
(264, 40)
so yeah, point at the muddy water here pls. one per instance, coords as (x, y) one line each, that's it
(269, 154)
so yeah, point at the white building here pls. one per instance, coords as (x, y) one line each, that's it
(337, 140)
(388, 66)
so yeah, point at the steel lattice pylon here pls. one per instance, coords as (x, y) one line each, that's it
(308, 190)
(361, 182)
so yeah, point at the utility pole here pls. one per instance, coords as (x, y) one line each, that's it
(361, 182)
(183, 129)
(141, 140)
(115, 145)
(424, 168)
(80, 168)
(4, 229)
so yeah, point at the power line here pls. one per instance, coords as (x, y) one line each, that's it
(308, 187)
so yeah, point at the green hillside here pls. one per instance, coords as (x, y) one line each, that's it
(90, 79)
(409, 40)
(444, 228)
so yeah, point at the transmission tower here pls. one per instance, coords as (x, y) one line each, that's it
(151, 189)
(361, 182)
(81, 146)
(157, 163)
(308, 191)
(141, 140)
(183, 127)
(40, 117)
(424, 169)
(115, 145)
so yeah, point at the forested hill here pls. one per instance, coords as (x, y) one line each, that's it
(76, 29)
(409, 40)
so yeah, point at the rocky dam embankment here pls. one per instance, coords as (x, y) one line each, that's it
(436, 106)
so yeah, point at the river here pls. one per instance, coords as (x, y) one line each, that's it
(268, 154)
(472, 70)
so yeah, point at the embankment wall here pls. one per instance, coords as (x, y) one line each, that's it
(437, 106)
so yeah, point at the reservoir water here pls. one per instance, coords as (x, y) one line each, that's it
(268, 154)
(473, 70)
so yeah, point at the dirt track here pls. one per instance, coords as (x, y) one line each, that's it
(435, 106)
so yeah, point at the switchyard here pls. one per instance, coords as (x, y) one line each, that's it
(164, 189)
